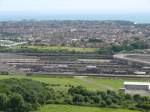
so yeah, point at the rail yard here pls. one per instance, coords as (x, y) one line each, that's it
(74, 64)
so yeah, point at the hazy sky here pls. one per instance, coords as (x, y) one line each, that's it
(132, 10)
(75, 6)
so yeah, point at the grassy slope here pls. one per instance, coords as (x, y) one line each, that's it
(70, 108)
(90, 83)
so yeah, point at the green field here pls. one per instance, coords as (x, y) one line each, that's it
(91, 83)
(49, 49)
(70, 108)
(63, 83)
(57, 48)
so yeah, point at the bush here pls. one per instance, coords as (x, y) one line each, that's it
(16, 103)
(110, 99)
(78, 98)
(145, 106)
(4, 73)
(126, 46)
(3, 101)
(23, 95)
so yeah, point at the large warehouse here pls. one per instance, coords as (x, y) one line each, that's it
(137, 86)
(142, 88)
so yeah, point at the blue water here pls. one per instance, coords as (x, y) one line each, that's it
(138, 18)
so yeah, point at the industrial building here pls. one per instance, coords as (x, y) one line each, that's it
(137, 86)
(141, 88)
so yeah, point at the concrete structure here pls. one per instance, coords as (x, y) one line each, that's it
(139, 73)
(8, 43)
(91, 67)
(137, 86)
(139, 60)
(141, 88)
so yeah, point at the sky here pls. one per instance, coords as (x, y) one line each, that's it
(61, 7)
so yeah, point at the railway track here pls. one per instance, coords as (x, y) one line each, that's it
(36, 63)
(83, 74)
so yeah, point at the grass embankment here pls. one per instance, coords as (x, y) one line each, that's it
(49, 49)
(71, 108)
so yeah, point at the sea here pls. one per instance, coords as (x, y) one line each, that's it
(136, 18)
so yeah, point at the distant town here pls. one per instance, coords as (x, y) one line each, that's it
(95, 34)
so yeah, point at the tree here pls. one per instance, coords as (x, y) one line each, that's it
(128, 97)
(3, 101)
(96, 99)
(78, 90)
(137, 98)
(109, 101)
(16, 103)
(78, 98)
(145, 106)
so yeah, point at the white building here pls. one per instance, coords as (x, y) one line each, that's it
(141, 88)
(137, 86)
(140, 73)
(91, 67)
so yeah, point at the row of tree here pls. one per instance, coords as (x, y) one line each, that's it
(111, 99)
(125, 46)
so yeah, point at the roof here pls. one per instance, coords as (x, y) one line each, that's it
(137, 83)
(91, 66)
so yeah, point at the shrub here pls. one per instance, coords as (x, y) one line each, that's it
(3, 101)
(4, 73)
(145, 106)
(16, 103)
(18, 94)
